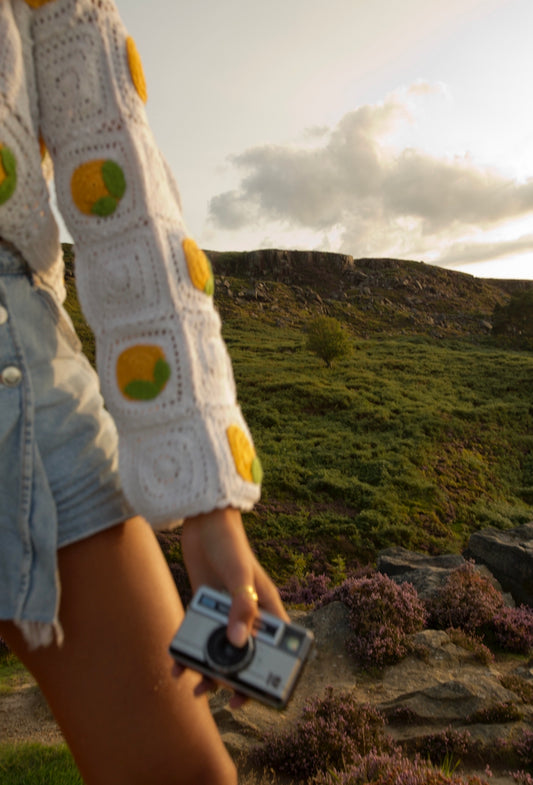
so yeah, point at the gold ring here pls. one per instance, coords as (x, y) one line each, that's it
(249, 590)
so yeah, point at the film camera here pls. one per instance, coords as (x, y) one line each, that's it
(267, 667)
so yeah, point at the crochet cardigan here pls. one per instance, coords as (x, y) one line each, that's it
(72, 84)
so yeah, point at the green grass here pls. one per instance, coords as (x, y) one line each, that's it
(12, 674)
(37, 764)
(413, 440)
(409, 442)
(31, 764)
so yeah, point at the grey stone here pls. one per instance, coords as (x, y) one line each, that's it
(509, 557)
(426, 573)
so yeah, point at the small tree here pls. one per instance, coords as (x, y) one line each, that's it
(514, 321)
(327, 339)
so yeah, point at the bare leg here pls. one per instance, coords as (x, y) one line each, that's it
(125, 718)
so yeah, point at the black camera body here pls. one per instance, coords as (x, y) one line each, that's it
(266, 668)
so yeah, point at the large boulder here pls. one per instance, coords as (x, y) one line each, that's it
(441, 682)
(426, 573)
(509, 557)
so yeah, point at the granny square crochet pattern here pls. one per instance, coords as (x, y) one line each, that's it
(72, 83)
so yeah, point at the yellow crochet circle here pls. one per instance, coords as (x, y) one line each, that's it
(136, 69)
(199, 267)
(97, 187)
(37, 3)
(142, 372)
(247, 463)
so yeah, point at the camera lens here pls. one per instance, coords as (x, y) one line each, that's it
(223, 656)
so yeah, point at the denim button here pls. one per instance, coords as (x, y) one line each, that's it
(11, 376)
(3, 315)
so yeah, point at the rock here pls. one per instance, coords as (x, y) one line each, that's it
(509, 557)
(293, 267)
(439, 684)
(328, 665)
(426, 573)
(456, 699)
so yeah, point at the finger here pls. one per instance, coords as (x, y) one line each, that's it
(242, 614)
(238, 700)
(269, 598)
(205, 685)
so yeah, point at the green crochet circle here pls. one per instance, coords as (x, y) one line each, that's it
(9, 164)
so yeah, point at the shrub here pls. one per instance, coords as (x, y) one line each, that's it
(309, 590)
(522, 777)
(518, 685)
(513, 629)
(472, 644)
(327, 339)
(515, 320)
(523, 747)
(467, 600)
(386, 769)
(331, 733)
(383, 614)
(498, 713)
(440, 746)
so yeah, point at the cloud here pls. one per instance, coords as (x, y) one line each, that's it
(351, 181)
(472, 253)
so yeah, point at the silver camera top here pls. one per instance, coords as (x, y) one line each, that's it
(266, 667)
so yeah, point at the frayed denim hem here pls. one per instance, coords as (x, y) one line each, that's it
(40, 633)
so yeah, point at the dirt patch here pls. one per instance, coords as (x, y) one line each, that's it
(25, 717)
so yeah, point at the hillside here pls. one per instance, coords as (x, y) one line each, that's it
(373, 296)
(423, 435)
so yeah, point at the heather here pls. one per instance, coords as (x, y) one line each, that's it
(394, 769)
(444, 745)
(337, 740)
(382, 616)
(467, 601)
(513, 629)
(332, 731)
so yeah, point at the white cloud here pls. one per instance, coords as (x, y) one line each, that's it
(352, 183)
(472, 253)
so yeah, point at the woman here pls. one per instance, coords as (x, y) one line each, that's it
(86, 599)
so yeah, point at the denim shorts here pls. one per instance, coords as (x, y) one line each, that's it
(59, 479)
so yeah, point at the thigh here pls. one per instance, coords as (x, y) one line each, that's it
(124, 716)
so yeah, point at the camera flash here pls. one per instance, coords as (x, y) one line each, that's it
(292, 643)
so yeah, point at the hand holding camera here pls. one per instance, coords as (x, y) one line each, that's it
(266, 667)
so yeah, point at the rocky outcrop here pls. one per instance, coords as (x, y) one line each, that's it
(318, 269)
(509, 557)
(443, 683)
(427, 573)
(440, 685)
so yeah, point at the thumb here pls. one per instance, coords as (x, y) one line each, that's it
(243, 612)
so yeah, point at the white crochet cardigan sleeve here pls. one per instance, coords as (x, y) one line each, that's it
(145, 287)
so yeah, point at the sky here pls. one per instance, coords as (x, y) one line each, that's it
(370, 127)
